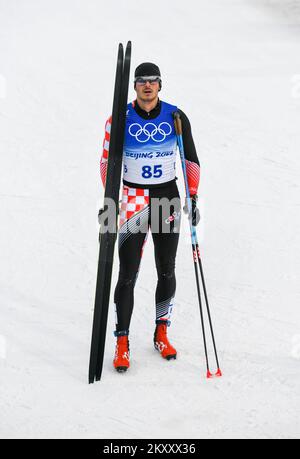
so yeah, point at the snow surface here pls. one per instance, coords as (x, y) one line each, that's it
(234, 68)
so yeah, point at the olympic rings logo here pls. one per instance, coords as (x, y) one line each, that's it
(150, 131)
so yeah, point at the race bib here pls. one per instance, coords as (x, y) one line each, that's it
(150, 147)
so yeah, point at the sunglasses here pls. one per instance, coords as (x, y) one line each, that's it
(143, 80)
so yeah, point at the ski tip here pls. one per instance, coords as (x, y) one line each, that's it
(128, 50)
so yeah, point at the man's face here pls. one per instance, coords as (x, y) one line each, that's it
(147, 91)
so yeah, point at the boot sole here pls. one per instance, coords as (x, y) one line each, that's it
(168, 357)
(121, 369)
(171, 357)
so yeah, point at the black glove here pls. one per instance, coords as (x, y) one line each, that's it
(195, 211)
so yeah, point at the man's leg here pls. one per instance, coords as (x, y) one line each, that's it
(165, 256)
(166, 244)
(166, 240)
(130, 254)
(133, 233)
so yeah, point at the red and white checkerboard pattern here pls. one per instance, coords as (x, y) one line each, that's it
(105, 152)
(133, 200)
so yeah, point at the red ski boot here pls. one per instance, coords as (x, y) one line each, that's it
(161, 342)
(121, 360)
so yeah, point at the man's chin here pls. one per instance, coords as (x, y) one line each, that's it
(148, 98)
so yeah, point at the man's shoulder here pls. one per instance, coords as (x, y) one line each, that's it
(167, 105)
(172, 108)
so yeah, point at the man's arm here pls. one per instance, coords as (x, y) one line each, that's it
(104, 157)
(191, 157)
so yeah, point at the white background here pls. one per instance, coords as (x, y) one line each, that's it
(233, 67)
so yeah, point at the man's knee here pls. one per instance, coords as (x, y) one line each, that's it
(166, 270)
(127, 279)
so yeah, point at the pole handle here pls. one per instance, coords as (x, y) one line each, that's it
(177, 123)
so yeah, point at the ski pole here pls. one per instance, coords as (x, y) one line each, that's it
(219, 373)
(196, 251)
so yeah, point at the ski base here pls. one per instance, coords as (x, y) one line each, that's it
(108, 239)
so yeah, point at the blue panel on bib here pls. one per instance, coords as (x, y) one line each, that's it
(150, 147)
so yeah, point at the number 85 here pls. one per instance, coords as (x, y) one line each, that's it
(155, 172)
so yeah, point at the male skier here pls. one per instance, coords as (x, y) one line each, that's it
(149, 174)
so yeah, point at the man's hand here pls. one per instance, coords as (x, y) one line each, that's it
(195, 211)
